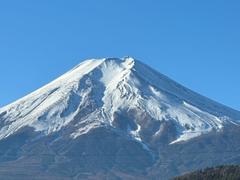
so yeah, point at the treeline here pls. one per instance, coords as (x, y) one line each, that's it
(218, 173)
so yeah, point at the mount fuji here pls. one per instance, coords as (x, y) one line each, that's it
(115, 118)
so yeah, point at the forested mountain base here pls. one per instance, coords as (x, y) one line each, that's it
(218, 173)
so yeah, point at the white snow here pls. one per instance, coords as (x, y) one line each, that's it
(112, 85)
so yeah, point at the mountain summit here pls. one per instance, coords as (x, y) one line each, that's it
(107, 99)
(96, 91)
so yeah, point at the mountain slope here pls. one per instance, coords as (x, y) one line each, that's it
(113, 85)
(118, 102)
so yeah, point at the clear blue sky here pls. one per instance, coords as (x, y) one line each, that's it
(197, 43)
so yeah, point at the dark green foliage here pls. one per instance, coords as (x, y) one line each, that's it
(219, 173)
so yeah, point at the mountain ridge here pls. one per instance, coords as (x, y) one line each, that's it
(115, 118)
(116, 79)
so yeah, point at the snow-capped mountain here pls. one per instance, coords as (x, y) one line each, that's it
(109, 86)
(121, 96)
